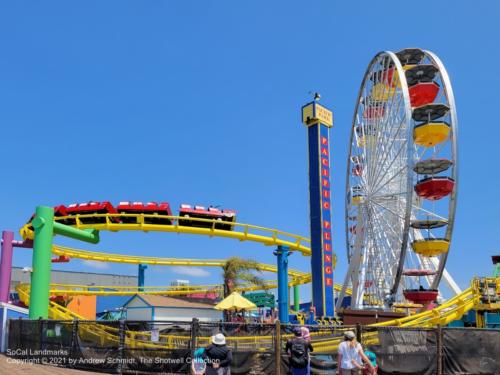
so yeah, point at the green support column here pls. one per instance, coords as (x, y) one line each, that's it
(43, 224)
(296, 298)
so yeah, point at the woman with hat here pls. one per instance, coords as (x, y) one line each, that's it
(218, 356)
(351, 356)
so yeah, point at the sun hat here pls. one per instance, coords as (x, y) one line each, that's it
(219, 339)
(349, 334)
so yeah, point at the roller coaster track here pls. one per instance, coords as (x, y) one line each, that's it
(110, 222)
(242, 232)
(297, 277)
(453, 309)
(479, 296)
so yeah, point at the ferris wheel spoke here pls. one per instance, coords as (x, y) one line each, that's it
(379, 217)
(388, 210)
(381, 125)
(386, 155)
(381, 142)
(430, 213)
(396, 157)
(393, 241)
(395, 175)
(378, 250)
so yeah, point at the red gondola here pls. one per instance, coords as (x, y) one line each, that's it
(434, 188)
(150, 208)
(422, 296)
(418, 272)
(423, 93)
(357, 170)
(374, 111)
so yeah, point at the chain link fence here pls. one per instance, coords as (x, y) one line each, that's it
(141, 347)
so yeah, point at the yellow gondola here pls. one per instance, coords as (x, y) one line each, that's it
(431, 247)
(395, 79)
(366, 141)
(357, 199)
(431, 133)
(382, 92)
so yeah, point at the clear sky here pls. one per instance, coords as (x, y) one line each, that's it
(199, 102)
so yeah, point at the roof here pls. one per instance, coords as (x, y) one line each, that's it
(162, 301)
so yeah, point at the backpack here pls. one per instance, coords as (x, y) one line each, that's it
(299, 354)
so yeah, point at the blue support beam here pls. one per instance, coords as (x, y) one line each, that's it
(140, 278)
(282, 253)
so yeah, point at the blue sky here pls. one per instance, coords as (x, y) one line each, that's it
(199, 102)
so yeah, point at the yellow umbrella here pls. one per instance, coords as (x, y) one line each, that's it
(235, 301)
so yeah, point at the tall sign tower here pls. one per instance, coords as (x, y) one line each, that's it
(319, 120)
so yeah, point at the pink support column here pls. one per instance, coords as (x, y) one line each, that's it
(6, 265)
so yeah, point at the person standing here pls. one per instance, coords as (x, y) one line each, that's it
(351, 356)
(305, 333)
(298, 350)
(218, 356)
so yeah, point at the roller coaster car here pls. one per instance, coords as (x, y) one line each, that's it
(61, 259)
(223, 217)
(59, 211)
(150, 208)
(91, 208)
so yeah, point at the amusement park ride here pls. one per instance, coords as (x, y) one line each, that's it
(402, 178)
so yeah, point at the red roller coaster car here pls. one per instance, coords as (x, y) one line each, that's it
(92, 208)
(61, 259)
(224, 218)
(150, 208)
(59, 211)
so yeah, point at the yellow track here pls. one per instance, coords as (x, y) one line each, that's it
(449, 311)
(452, 309)
(297, 277)
(444, 314)
(242, 232)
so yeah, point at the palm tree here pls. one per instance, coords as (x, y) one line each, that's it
(238, 271)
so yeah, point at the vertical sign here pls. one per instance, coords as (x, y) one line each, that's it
(319, 119)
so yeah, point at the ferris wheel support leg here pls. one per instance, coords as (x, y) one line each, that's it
(447, 277)
(342, 293)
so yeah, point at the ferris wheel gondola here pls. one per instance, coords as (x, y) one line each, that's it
(401, 180)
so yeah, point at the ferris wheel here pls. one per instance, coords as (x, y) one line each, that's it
(401, 182)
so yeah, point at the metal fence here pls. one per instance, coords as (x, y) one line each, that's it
(167, 347)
